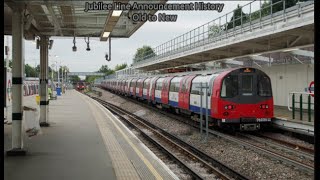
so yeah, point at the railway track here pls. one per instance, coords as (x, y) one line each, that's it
(292, 150)
(197, 163)
(273, 155)
(289, 144)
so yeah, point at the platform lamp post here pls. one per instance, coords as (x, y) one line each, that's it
(52, 66)
(61, 67)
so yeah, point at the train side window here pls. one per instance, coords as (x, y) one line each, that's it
(158, 85)
(195, 88)
(229, 87)
(176, 86)
(247, 85)
(172, 85)
(264, 86)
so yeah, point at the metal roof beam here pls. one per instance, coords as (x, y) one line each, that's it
(261, 58)
(303, 53)
(53, 19)
(256, 64)
(231, 61)
(297, 59)
(295, 41)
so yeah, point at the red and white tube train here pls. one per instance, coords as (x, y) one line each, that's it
(30, 86)
(239, 98)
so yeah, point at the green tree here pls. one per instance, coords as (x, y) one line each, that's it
(120, 66)
(63, 69)
(237, 18)
(90, 79)
(38, 68)
(142, 53)
(265, 11)
(106, 70)
(279, 6)
(30, 71)
(74, 79)
(214, 30)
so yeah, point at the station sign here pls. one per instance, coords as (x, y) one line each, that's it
(311, 88)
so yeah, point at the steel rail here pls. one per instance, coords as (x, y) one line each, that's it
(268, 153)
(187, 149)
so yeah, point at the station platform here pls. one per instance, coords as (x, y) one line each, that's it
(284, 119)
(84, 141)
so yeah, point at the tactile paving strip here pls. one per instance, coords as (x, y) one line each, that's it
(145, 163)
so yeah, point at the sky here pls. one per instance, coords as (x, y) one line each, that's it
(123, 50)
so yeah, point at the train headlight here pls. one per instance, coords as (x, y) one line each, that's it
(229, 107)
(264, 106)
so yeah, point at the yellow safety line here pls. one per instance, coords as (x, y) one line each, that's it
(147, 163)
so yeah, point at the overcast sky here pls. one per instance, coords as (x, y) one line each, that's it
(123, 50)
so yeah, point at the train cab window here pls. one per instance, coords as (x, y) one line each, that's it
(229, 87)
(264, 86)
(247, 85)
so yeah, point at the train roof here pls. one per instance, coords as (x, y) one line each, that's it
(207, 72)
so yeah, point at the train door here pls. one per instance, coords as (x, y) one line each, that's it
(145, 88)
(165, 90)
(153, 88)
(135, 82)
(186, 97)
(124, 82)
(141, 88)
(184, 93)
(148, 87)
(127, 87)
(138, 87)
(131, 87)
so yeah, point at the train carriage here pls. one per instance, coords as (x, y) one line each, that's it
(153, 89)
(174, 91)
(165, 90)
(235, 97)
(158, 90)
(146, 87)
(140, 88)
(184, 93)
(195, 101)
(133, 84)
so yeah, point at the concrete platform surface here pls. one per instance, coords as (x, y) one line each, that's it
(283, 113)
(84, 142)
(284, 120)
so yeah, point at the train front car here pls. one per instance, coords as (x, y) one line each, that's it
(242, 97)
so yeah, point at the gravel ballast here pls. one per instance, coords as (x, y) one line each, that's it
(246, 161)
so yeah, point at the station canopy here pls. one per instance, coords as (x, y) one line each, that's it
(69, 19)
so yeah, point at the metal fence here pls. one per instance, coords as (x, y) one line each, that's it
(300, 101)
(224, 27)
